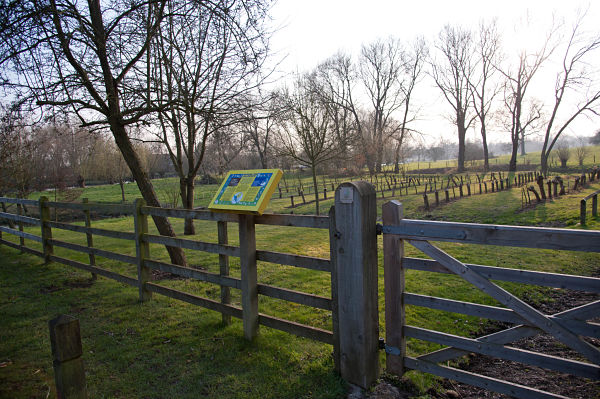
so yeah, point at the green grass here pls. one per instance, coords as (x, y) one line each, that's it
(165, 348)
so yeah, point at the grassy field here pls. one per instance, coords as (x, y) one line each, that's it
(165, 348)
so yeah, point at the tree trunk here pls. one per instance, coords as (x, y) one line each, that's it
(189, 229)
(314, 176)
(122, 189)
(462, 133)
(163, 226)
(486, 158)
(512, 165)
(544, 163)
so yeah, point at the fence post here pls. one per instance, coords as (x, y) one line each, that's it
(248, 275)
(142, 249)
(595, 205)
(20, 223)
(88, 235)
(69, 374)
(582, 206)
(224, 268)
(334, 290)
(47, 248)
(356, 258)
(393, 251)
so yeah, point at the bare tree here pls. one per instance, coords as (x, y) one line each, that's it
(517, 82)
(563, 152)
(381, 65)
(84, 58)
(451, 75)
(581, 151)
(414, 60)
(336, 94)
(575, 79)
(17, 152)
(259, 125)
(306, 134)
(208, 58)
(483, 90)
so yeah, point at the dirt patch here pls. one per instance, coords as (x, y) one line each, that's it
(531, 376)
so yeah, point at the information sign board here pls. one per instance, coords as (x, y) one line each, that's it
(246, 191)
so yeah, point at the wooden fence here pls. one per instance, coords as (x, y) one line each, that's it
(247, 252)
(583, 206)
(567, 327)
(353, 264)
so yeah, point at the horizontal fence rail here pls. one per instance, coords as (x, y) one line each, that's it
(513, 236)
(567, 326)
(145, 263)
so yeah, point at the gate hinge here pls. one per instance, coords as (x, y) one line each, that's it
(379, 229)
(392, 350)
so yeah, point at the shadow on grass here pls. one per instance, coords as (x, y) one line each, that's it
(158, 349)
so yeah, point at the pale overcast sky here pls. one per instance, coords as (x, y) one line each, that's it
(313, 30)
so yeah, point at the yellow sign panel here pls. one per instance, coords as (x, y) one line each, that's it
(246, 191)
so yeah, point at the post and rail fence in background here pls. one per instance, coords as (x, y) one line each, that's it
(353, 268)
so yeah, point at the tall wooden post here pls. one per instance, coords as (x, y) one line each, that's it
(334, 290)
(69, 374)
(89, 237)
(356, 258)
(47, 248)
(142, 249)
(224, 267)
(249, 277)
(393, 251)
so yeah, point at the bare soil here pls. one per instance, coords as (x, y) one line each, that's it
(531, 376)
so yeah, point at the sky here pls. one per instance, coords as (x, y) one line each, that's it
(310, 31)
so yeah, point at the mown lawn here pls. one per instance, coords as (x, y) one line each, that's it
(164, 348)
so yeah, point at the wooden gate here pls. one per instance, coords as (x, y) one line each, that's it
(567, 327)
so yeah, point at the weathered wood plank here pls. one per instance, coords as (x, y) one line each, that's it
(19, 218)
(515, 333)
(585, 370)
(19, 201)
(95, 251)
(194, 273)
(94, 269)
(298, 329)
(535, 317)
(190, 244)
(19, 247)
(195, 300)
(88, 236)
(95, 207)
(556, 280)
(494, 313)
(393, 269)
(22, 234)
(247, 239)
(306, 262)
(334, 290)
(489, 383)
(301, 298)
(357, 274)
(122, 235)
(223, 238)
(142, 250)
(199, 214)
(311, 221)
(514, 236)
